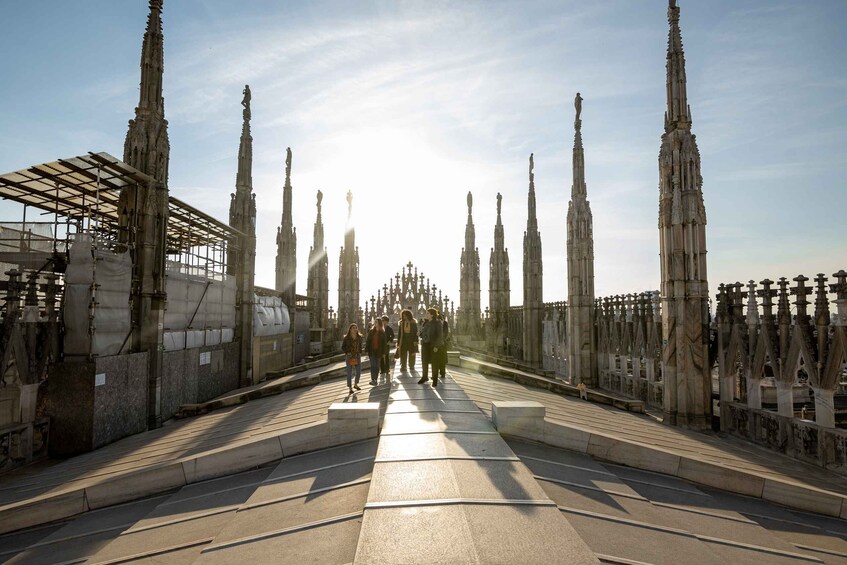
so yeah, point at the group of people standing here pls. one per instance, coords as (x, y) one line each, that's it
(429, 337)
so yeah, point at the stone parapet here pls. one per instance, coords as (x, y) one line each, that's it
(800, 439)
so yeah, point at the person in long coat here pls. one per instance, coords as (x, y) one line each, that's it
(351, 345)
(432, 341)
(376, 346)
(385, 362)
(407, 340)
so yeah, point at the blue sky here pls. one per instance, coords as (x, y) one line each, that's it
(412, 104)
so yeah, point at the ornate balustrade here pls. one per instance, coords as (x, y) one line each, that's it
(802, 356)
(629, 346)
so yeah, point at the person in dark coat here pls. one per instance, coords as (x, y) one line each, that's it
(407, 340)
(385, 362)
(377, 347)
(351, 345)
(432, 342)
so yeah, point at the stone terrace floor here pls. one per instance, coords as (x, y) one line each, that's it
(646, 430)
(253, 421)
(422, 491)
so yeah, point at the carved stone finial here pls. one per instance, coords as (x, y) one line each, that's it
(470, 202)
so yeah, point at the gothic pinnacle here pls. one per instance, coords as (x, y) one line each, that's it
(152, 61)
(532, 222)
(678, 113)
(578, 187)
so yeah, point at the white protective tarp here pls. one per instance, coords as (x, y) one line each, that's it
(270, 316)
(200, 308)
(97, 286)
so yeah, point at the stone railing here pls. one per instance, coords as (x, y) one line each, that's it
(554, 350)
(800, 352)
(21, 444)
(629, 345)
(801, 439)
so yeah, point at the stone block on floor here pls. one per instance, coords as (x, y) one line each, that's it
(519, 418)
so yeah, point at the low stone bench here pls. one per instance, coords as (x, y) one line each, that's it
(353, 421)
(522, 418)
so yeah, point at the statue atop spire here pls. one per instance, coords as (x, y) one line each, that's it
(320, 198)
(286, 239)
(288, 164)
(246, 102)
(244, 178)
(531, 167)
(578, 105)
(578, 187)
(499, 206)
(470, 202)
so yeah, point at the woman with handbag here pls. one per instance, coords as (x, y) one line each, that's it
(351, 345)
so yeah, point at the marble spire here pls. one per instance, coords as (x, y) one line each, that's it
(241, 257)
(286, 242)
(582, 352)
(317, 286)
(682, 241)
(533, 304)
(469, 286)
(498, 288)
(143, 210)
(348, 276)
